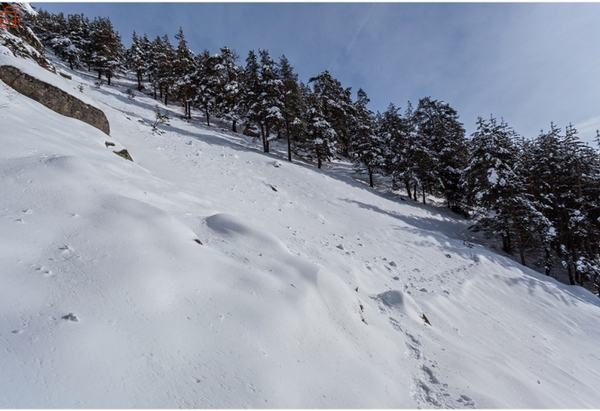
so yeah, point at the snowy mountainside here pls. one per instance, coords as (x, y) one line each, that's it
(308, 288)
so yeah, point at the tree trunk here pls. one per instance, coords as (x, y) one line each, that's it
(289, 141)
(234, 126)
(520, 246)
(423, 190)
(506, 243)
(267, 137)
(415, 192)
(370, 171)
(407, 184)
(262, 135)
(318, 162)
(570, 272)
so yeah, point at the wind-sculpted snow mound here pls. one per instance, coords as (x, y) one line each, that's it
(233, 226)
(403, 303)
(256, 247)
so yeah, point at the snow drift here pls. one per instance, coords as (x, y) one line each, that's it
(185, 280)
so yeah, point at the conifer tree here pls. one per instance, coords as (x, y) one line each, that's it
(230, 92)
(184, 67)
(269, 103)
(400, 148)
(250, 90)
(262, 95)
(108, 53)
(166, 74)
(565, 178)
(291, 103)
(445, 150)
(366, 147)
(136, 59)
(498, 183)
(207, 82)
(319, 143)
(336, 106)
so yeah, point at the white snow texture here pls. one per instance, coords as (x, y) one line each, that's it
(304, 289)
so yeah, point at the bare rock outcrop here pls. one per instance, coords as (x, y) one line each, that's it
(54, 98)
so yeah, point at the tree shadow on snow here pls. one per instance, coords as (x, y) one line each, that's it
(449, 241)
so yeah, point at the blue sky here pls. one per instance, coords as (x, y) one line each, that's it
(529, 63)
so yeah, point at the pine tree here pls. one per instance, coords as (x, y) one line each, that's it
(445, 149)
(229, 93)
(270, 100)
(319, 137)
(336, 106)
(160, 69)
(366, 147)
(565, 179)
(136, 59)
(207, 81)
(498, 184)
(108, 53)
(166, 73)
(291, 103)
(262, 95)
(250, 92)
(184, 67)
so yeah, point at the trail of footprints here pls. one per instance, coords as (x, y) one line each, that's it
(427, 389)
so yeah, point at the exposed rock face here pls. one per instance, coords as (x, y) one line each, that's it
(54, 98)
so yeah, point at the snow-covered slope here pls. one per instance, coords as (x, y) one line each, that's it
(308, 288)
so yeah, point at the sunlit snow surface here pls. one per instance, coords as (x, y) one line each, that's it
(308, 289)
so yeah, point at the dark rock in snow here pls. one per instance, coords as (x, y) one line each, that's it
(70, 317)
(54, 98)
(124, 153)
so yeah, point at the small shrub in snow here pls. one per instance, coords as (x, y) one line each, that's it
(160, 118)
(130, 94)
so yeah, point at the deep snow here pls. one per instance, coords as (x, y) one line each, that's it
(312, 295)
